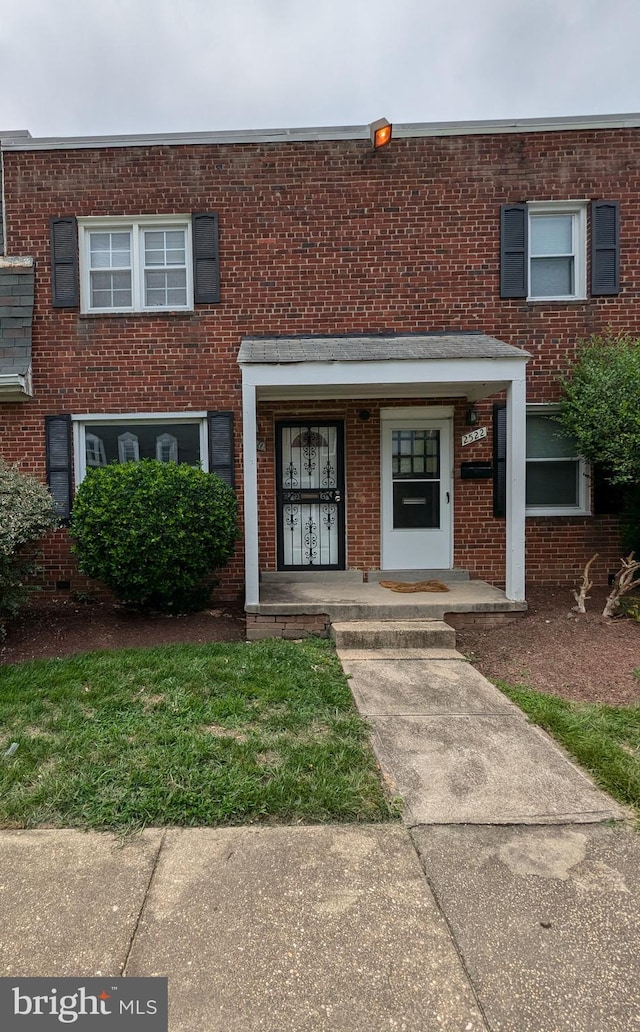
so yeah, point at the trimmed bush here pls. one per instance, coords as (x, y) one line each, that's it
(154, 532)
(26, 514)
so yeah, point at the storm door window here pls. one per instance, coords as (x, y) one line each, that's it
(415, 456)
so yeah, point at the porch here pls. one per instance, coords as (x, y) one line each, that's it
(301, 394)
(297, 604)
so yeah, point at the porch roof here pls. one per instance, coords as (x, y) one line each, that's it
(391, 348)
(444, 365)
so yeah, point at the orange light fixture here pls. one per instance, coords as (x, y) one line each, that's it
(380, 132)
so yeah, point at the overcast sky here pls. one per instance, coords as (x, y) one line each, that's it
(93, 67)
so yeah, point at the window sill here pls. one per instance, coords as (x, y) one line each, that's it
(556, 512)
(129, 315)
(556, 300)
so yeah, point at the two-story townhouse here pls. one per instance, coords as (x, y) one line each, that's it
(366, 343)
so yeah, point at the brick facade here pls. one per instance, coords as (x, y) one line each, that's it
(327, 238)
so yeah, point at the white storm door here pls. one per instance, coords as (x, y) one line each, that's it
(417, 498)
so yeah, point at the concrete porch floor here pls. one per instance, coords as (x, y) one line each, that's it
(345, 596)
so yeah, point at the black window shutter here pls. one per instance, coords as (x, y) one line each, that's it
(59, 473)
(500, 460)
(513, 250)
(605, 247)
(206, 263)
(64, 263)
(221, 446)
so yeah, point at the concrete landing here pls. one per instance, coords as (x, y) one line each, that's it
(347, 598)
(459, 752)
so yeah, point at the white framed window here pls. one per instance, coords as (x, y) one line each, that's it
(558, 479)
(135, 265)
(128, 437)
(557, 234)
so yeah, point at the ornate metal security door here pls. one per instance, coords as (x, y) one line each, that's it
(310, 495)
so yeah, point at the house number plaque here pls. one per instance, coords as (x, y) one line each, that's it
(474, 435)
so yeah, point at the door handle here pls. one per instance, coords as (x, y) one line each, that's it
(337, 497)
(448, 498)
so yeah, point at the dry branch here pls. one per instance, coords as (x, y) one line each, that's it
(582, 595)
(625, 581)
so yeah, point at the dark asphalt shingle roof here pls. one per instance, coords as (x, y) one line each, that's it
(462, 346)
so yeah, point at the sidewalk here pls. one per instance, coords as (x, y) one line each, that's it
(504, 904)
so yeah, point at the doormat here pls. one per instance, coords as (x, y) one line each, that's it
(421, 585)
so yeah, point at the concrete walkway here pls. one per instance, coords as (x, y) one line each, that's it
(458, 751)
(500, 905)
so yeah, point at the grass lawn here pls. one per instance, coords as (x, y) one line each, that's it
(604, 739)
(185, 734)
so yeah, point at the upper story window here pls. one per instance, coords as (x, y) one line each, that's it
(146, 263)
(135, 266)
(543, 250)
(557, 252)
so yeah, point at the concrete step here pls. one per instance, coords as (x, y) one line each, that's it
(393, 634)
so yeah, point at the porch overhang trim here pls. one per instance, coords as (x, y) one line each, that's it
(15, 386)
(454, 364)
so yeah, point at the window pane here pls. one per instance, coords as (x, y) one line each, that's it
(415, 453)
(416, 504)
(553, 483)
(110, 250)
(551, 234)
(165, 289)
(547, 440)
(164, 247)
(552, 277)
(110, 289)
(186, 436)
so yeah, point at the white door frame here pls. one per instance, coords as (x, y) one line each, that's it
(439, 417)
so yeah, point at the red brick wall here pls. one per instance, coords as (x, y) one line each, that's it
(323, 238)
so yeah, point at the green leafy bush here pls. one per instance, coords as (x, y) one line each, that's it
(154, 532)
(26, 514)
(601, 405)
(601, 408)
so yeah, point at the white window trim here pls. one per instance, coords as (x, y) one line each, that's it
(583, 508)
(137, 224)
(578, 209)
(83, 422)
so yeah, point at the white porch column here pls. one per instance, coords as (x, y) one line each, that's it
(250, 453)
(515, 475)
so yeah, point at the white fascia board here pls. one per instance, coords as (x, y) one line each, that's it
(146, 417)
(302, 374)
(15, 386)
(406, 130)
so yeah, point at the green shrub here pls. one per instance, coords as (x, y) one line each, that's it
(154, 532)
(26, 514)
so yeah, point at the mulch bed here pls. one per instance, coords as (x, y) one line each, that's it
(551, 648)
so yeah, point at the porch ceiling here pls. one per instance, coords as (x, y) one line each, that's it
(469, 365)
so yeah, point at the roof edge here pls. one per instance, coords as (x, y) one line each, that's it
(405, 130)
